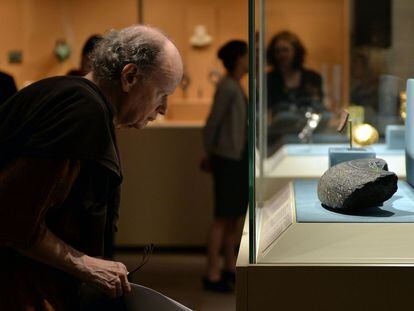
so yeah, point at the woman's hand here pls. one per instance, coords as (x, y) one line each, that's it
(108, 276)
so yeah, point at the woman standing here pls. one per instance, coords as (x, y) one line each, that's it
(225, 140)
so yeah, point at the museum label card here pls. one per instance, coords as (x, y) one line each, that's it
(277, 216)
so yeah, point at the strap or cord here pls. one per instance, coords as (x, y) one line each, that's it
(145, 258)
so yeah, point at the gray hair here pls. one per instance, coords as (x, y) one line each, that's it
(139, 45)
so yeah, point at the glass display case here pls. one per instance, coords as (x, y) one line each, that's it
(309, 61)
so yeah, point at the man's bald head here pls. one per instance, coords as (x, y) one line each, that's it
(146, 47)
(138, 67)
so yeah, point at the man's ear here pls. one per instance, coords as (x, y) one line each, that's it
(129, 77)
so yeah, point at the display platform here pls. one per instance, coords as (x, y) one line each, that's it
(330, 265)
(322, 149)
(319, 236)
(313, 160)
(398, 209)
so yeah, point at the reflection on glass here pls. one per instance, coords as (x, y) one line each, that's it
(294, 94)
(355, 54)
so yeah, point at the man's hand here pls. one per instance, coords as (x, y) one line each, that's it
(108, 276)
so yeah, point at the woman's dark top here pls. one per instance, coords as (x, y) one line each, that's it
(309, 94)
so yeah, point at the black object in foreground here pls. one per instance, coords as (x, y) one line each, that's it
(357, 184)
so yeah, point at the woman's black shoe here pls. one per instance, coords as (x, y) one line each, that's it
(220, 286)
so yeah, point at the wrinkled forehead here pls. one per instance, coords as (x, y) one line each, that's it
(167, 79)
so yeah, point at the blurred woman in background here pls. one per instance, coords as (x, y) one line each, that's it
(289, 82)
(292, 89)
(225, 140)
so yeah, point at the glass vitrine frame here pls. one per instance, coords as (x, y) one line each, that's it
(257, 121)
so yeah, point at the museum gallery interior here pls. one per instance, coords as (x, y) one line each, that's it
(221, 155)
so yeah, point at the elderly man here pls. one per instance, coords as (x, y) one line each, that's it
(60, 169)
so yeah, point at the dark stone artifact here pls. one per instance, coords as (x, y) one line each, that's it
(357, 184)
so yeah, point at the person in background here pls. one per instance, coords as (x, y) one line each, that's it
(86, 62)
(7, 87)
(225, 141)
(292, 90)
(60, 170)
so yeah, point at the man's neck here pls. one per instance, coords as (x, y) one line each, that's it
(110, 94)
